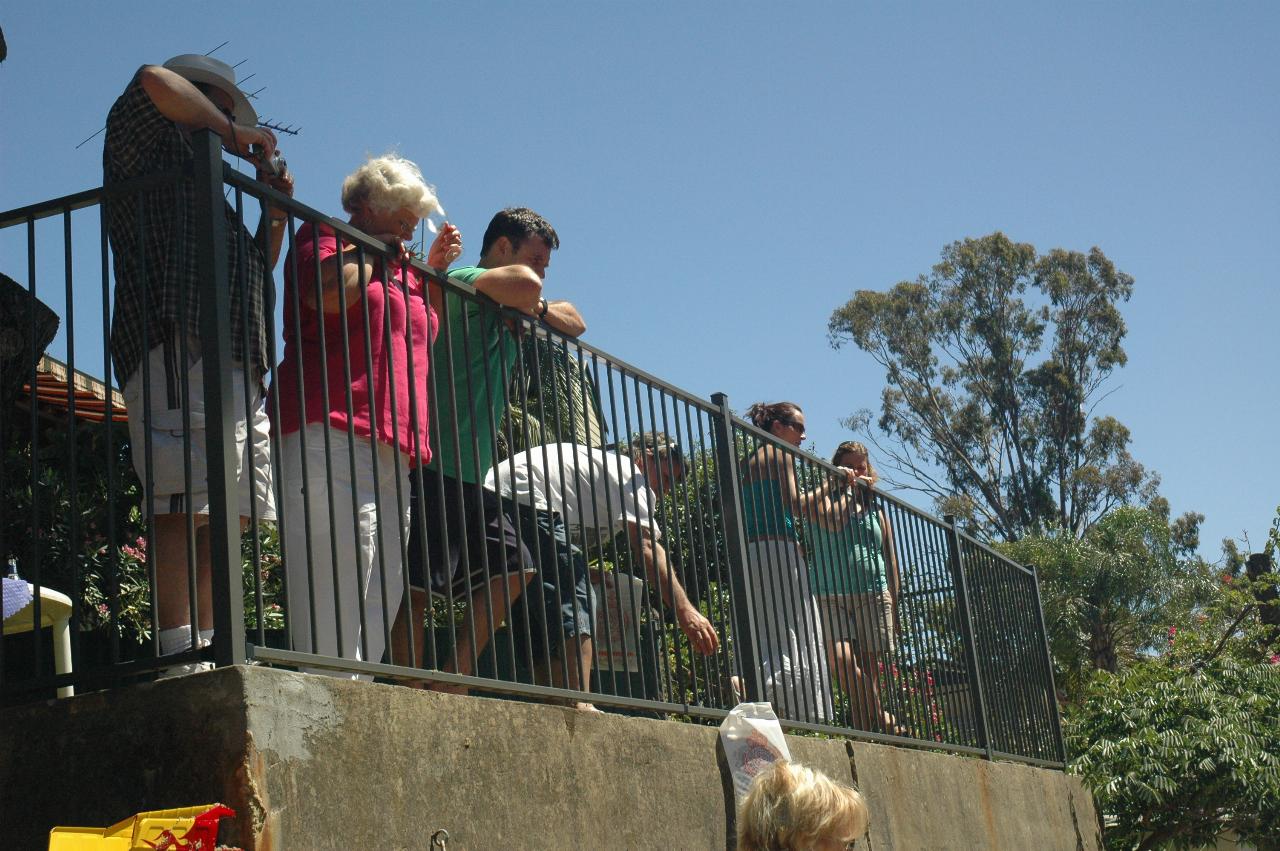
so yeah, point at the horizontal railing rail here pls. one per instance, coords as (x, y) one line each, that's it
(583, 532)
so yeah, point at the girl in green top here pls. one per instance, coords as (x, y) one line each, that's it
(855, 576)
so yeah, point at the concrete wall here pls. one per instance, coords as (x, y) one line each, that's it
(315, 763)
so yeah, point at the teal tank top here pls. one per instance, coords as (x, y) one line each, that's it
(849, 560)
(763, 511)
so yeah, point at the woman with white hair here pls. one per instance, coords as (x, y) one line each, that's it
(353, 412)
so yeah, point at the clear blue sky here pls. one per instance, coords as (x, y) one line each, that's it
(723, 175)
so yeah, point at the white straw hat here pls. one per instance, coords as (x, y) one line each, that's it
(220, 75)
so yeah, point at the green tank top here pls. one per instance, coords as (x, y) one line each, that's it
(850, 560)
(763, 511)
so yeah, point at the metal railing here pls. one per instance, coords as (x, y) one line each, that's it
(571, 495)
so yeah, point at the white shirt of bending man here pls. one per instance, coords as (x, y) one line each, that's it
(596, 492)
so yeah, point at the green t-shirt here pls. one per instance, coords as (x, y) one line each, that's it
(475, 343)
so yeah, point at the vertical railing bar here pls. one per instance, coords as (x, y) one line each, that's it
(451, 388)
(215, 316)
(981, 589)
(73, 563)
(1055, 722)
(602, 613)
(946, 596)
(402, 536)
(248, 374)
(551, 353)
(108, 423)
(686, 539)
(512, 516)
(724, 660)
(148, 465)
(615, 677)
(745, 645)
(660, 642)
(546, 465)
(522, 382)
(820, 677)
(778, 597)
(825, 557)
(336, 571)
(618, 434)
(375, 472)
(997, 684)
(966, 628)
(304, 467)
(36, 571)
(276, 450)
(906, 540)
(696, 535)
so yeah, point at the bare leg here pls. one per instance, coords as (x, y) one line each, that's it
(864, 700)
(870, 664)
(579, 651)
(409, 621)
(173, 598)
(479, 623)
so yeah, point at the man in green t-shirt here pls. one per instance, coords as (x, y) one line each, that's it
(458, 530)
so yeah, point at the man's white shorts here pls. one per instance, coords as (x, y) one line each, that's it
(172, 493)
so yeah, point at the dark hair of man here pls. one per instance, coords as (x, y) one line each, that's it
(518, 224)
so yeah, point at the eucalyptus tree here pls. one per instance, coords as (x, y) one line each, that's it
(995, 362)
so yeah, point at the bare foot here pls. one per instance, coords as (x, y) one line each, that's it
(586, 707)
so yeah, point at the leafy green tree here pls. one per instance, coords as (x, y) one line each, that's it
(1111, 594)
(1183, 748)
(994, 362)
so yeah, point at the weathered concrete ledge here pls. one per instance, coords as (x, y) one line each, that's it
(314, 763)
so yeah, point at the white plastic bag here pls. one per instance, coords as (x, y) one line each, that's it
(753, 740)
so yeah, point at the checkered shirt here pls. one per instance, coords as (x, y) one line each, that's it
(153, 246)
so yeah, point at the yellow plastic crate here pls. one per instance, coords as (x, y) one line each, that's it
(185, 827)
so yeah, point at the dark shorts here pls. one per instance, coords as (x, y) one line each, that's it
(469, 540)
(558, 603)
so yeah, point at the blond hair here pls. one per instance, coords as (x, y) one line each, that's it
(791, 808)
(387, 183)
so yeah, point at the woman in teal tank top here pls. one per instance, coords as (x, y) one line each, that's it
(792, 658)
(854, 572)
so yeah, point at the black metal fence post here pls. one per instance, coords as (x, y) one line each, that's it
(977, 693)
(744, 633)
(1051, 686)
(215, 352)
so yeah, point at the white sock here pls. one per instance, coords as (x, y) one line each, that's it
(175, 639)
(206, 637)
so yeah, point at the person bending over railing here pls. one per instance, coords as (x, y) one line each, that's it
(565, 489)
(343, 534)
(792, 661)
(854, 570)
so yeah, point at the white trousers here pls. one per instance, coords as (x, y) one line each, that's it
(793, 662)
(364, 528)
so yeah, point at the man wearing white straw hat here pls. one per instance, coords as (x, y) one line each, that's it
(155, 330)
